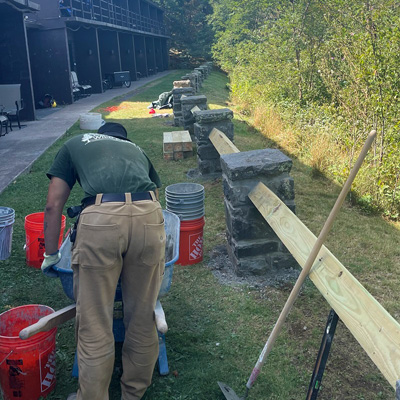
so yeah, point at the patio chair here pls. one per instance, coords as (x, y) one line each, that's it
(11, 102)
(3, 124)
(78, 89)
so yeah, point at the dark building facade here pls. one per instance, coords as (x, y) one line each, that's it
(14, 54)
(94, 38)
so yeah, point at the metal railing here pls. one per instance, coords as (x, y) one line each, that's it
(108, 12)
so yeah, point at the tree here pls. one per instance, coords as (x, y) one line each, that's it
(186, 20)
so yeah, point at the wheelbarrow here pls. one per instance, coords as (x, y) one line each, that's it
(65, 274)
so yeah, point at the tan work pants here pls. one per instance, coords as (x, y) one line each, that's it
(117, 239)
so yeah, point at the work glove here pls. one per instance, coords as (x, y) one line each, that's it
(49, 262)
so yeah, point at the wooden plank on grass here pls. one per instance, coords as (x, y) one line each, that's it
(222, 143)
(374, 328)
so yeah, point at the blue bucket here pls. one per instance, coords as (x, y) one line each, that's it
(172, 230)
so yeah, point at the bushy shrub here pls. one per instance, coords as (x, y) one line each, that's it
(328, 72)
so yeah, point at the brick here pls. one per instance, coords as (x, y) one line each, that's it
(187, 146)
(168, 147)
(168, 156)
(177, 146)
(178, 155)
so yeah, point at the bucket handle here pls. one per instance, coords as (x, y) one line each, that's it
(27, 245)
(5, 358)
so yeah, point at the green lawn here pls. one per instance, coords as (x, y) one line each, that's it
(216, 331)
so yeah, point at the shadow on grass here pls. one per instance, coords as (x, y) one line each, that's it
(216, 332)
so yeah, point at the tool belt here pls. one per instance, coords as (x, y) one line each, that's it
(75, 211)
(116, 197)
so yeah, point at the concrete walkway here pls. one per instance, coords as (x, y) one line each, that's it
(20, 148)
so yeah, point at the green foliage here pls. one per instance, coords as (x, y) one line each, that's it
(191, 36)
(330, 69)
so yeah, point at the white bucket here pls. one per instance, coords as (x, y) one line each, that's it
(91, 121)
(7, 218)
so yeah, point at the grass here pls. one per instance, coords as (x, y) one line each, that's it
(217, 331)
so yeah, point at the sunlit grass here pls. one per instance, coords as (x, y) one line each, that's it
(216, 332)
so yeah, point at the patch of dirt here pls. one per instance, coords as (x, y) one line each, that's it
(222, 268)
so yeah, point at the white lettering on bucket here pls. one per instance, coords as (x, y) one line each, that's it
(47, 369)
(195, 243)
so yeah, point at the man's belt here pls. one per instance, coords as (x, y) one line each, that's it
(116, 197)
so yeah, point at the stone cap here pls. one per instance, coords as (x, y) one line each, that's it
(213, 115)
(250, 164)
(182, 84)
(194, 100)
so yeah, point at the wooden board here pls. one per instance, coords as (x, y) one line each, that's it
(373, 327)
(195, 108)
(49, 322)
(222, 143)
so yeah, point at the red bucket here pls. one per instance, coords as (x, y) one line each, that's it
(35, 238)
(191, 242)
(27, 367)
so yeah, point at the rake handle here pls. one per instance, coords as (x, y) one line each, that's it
(310, 261)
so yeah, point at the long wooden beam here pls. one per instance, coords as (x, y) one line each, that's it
(222, 143)
(373, 327)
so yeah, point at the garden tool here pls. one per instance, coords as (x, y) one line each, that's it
(226, 390)
(52, 320)
(49, 322)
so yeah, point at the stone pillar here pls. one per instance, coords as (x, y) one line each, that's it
(200, 76)
(208, 157)
(187, 104)
(253, 247)
(193, 81)
(205, 70)
(177, 107)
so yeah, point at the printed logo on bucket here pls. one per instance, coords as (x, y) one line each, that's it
(195, 246)
(47, 361)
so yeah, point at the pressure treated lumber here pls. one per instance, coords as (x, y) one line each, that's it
(373, 327)
(222, 143)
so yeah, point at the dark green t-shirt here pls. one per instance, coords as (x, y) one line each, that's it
(104, 164)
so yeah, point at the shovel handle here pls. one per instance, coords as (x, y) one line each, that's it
(310, 261)
(49, 322)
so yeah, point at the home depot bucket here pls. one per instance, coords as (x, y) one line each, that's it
(27, 367)
(35, 238)
(7, 218)
(191, 242)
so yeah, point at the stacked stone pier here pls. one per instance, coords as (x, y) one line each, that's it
(208, 157)
(188, 86)
(253, 247)
(177, 107)
(192, 77)
(187, 105)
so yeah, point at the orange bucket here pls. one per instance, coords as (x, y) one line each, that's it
(34, 233)
(27, 367)
(191, 242)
